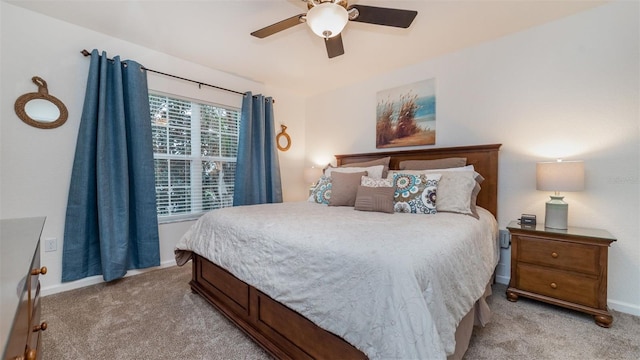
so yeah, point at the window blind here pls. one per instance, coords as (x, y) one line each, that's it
(195, 147)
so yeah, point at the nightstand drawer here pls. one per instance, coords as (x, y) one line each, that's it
(559, 255)
(558, 284)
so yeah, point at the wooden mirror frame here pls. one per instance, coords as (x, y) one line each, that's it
(42, 94)
(286, 136)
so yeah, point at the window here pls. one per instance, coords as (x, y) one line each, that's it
(194, 149)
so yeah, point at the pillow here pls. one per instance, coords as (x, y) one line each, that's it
(427, 171)
(371, 182)
(474, 199)
(322, 192)
(372, 171)
(415, 193)
(454, 192)
(432, 164)
(447, 195)
(382, 161)
(379, 199)
(344, 188)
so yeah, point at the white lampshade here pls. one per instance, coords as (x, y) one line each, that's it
(560, 176)
(312, 174)
(327, 19)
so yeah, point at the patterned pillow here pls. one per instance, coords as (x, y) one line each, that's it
(322, 192)
(449, 185)
(415, 194)
(371, 182)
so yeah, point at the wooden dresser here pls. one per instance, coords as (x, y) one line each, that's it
(20, 272)
(561, 267)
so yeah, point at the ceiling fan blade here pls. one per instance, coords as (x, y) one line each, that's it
(277, 27)
(384, 16)
(334, 46)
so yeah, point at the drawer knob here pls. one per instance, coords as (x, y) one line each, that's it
(41, 327)
(554, 286)
(554, 255)
(42, 270)
(31, 354)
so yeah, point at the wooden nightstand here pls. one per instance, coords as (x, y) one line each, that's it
(562, 267)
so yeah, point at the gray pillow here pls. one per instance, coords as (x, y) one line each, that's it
(432, 164)
(382, 161)
(344, 188)
(379, 199)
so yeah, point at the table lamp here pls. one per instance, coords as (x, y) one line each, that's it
(559, 176)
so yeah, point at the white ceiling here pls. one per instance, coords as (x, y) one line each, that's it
(216, 34)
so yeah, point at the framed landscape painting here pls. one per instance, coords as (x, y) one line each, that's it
(406, 115)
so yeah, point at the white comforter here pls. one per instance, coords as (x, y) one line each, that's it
(392, 285)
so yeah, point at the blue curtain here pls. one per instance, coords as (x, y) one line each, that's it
(257, 179)
(111, 223)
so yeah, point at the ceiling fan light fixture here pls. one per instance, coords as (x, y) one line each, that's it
(327, 19)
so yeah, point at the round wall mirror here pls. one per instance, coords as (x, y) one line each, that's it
(39, 109)
(283, 140)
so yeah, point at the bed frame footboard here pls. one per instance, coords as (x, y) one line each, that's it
(282, 332)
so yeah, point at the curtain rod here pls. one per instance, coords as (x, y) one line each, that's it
(86, 53)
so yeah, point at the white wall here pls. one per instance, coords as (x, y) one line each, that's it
(566, 89)
(36, 164)
(289, 110)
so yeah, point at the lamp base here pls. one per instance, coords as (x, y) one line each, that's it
(556, 213)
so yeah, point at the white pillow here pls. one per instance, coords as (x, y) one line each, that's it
(371, 182)
(431, 171)
(372, 171)
(454, 192)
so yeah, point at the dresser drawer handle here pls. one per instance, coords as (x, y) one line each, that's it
(41, 327)
(553, 285)
(41, 271)
(554, 255)
(30, 354)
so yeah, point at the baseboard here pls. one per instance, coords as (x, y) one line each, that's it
(58, 288)
(501, 279)
(503, 272)
(624, 307)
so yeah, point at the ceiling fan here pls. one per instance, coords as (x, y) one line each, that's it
(327, 18)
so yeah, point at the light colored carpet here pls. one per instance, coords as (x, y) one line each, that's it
(156, 316)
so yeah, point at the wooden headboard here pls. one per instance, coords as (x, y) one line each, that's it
(484, 159)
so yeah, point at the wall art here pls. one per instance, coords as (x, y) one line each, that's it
(406, 115)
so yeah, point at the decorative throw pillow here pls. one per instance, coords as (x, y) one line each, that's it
(432, 164)
(454, 192)
(415, 193)
(379, 199)
(322, 192)
(371, 182)
(474, 200)
(449, 175)
(372, 171)
(382, 161)
(344, 188)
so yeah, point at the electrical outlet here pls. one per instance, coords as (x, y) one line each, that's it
(505, 239)
(50, 244)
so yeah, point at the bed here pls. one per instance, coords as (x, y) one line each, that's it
(294, 303)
